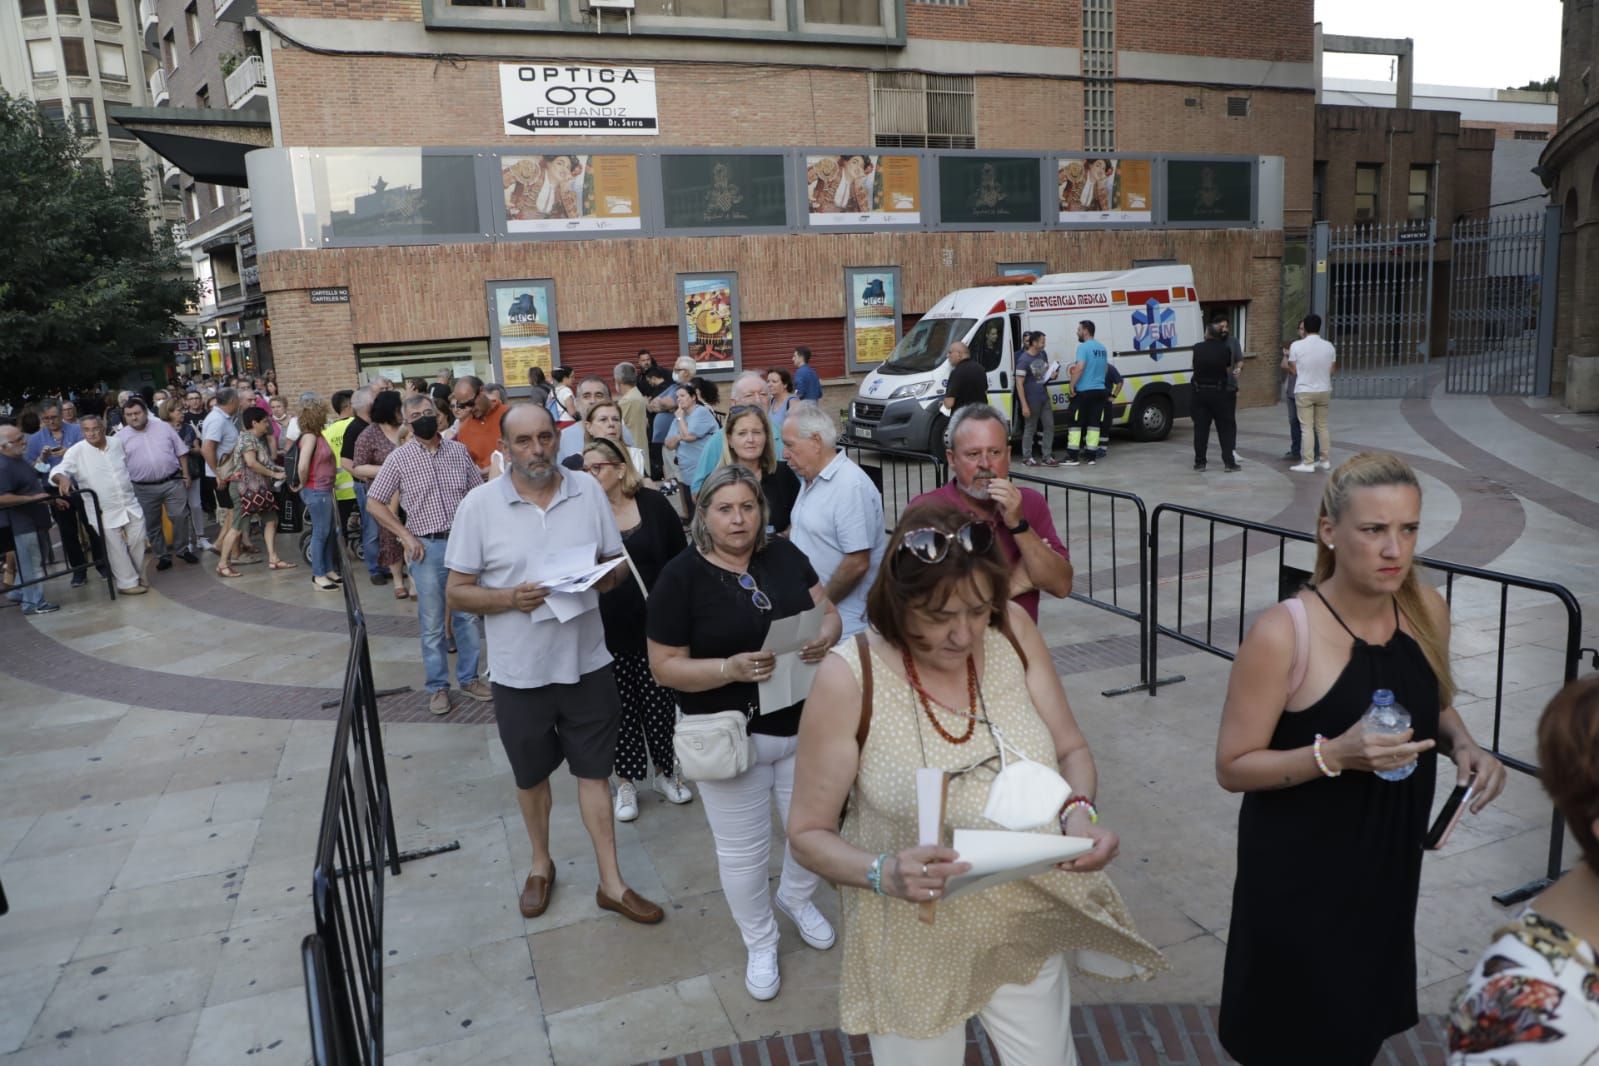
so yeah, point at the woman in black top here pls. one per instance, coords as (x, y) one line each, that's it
(709, 614)
(652, 535)
(1215, 399)
(747, 441)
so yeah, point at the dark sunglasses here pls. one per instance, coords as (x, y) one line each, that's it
(757, 597)
(931, 546)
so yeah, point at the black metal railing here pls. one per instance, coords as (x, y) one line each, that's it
(1199, 558)
(94, 551)
(899, 475)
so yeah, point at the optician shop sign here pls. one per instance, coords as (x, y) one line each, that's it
(552, 99)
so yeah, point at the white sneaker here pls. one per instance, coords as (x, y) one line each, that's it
(1303, 468)
(672, 788)
(625, 804)
(761, 979)
(814, 927)
(1324, 465)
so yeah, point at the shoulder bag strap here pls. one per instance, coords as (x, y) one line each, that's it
(864, 650)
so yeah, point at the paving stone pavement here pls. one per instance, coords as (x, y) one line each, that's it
(163, 762)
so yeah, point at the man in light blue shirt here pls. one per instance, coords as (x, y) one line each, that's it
(838, 517)
(1089, 396)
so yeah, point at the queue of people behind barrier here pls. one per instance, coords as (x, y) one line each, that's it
(926, 640)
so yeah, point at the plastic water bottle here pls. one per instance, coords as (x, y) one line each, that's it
(1386, 716)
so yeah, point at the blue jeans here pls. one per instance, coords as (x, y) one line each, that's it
(369, 533)
(429, 575)
(319, 507)
(30, 567)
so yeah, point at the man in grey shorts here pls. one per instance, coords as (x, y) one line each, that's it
(554, 696)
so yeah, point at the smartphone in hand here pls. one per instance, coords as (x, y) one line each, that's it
(1453, 808)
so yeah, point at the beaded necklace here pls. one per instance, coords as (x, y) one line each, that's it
(927, 701)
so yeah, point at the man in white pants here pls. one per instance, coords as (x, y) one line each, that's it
(97, 464)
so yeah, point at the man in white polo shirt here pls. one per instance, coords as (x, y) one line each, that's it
(555, 698)
(1312, 359)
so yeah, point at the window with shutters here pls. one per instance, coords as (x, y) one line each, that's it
(54, 111)
(42, 57)
(915, 110)
(191, 20)
(1099, 74)
(112, 60)
(76, 58)
(67, 7)
(34, 9)
(104, 11)
(83, 117)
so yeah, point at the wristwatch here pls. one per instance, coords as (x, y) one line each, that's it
(1018, 529)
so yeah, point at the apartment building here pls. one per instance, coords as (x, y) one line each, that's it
(620, 170)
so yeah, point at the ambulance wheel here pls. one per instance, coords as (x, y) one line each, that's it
(1151, 419)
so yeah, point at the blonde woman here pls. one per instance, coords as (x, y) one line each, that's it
(748, 441)
(1321, 954)
(604, 422)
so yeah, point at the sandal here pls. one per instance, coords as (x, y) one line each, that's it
(228, 571)
(279, 564)
(400, 593)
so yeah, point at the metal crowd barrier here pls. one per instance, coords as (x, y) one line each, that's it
(1221, 637)
(900, 476)
(95, 559)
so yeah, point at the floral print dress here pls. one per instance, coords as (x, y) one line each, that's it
(1533, 1000)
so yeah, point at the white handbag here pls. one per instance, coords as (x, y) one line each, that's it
(713, 747)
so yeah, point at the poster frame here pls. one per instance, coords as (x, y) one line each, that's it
(648, 200)
(1033, 267)
(1157, 190)
(851, 362)
(924, 189)
(679, 281)
(791, 222)
(490, 288)
(1046, 180)
(1163, 215)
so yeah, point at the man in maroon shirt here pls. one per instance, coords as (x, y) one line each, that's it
(979, 458)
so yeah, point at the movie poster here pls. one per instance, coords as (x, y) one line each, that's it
(708, 320)
(863, 190)
(1095, 189)
(874, 321)
(570, 193)
(523, 330)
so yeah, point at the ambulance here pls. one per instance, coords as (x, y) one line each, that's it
(1148, 319)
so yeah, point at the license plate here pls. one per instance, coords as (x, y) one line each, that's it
(862, 431)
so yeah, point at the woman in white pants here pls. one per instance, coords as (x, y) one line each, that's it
(951, 670)
(709, 613)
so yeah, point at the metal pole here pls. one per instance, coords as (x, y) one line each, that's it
(1544, 378)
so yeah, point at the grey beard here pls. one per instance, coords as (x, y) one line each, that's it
(538, 475)
(974, 491)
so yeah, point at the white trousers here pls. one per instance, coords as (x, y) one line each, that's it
(1029, 1025)
(124, 549)
(740, 813)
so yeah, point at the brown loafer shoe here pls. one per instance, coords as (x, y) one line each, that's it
(535, 898)
(632, 906)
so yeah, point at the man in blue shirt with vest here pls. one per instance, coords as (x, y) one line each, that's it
(1089, 396)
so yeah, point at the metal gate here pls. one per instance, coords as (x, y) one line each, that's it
(1501, 304)
(1373, 289)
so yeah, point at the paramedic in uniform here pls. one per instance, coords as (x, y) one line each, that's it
(1089, 395)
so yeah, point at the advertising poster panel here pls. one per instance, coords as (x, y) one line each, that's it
(723, 191)
(1210, 191)
(989, 191)
(863, 190)
(522, 329)
(873, 295)
(707, 324)
(1096, 189)
(570, 193)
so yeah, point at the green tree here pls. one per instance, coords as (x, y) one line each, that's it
(87, 283)
(1547, 85)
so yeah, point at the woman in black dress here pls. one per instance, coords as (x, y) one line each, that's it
(748, 440)
(1321, 954)
(652, 535)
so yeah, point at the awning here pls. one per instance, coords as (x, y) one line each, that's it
(209, 144)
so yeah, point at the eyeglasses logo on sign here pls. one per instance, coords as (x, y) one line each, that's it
(557, 100)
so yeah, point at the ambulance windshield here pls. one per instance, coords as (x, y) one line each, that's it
(923, 347)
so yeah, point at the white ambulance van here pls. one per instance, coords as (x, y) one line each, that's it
(1148, 319)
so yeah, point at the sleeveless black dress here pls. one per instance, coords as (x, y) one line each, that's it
(1321, 954)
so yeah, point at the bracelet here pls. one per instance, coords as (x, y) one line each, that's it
(1321, 764)
(874, 876)
(1079, 801)
(721, 671)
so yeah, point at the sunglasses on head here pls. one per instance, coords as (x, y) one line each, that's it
(931, 546)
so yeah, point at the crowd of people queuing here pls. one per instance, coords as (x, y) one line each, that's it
(726, 526)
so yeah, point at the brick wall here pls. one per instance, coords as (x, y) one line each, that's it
(388, 10)
(1278, 30)
(437, 292)
(1029, 113)
(1045, 22)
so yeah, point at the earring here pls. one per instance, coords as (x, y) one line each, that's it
(1331, 546)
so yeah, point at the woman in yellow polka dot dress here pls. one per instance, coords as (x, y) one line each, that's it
(954, 667)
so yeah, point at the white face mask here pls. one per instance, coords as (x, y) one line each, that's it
(1024, 794)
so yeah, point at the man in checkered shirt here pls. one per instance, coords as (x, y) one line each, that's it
(432, 476)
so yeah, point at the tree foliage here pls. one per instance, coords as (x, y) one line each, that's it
(87, 283)
(1548, 85)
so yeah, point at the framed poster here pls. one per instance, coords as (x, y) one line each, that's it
(546, 99)
(522, 331)
(1013, 270)
(1097, 189)
(989, 192)
(863, 190)
(1210, 192)
(872, 297)
(570, 193)
(707, 320)
(724, 191)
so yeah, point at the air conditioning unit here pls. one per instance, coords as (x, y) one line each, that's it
(611, 5)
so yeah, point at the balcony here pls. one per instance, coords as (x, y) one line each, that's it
(150, 22)
(159, 95)
(171, 176)
(247, 81)
(233, 10)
